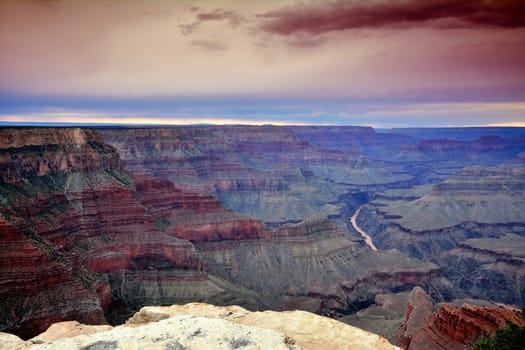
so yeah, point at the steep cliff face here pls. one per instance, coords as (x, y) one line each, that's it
(23, 137)
(70, 233)
(39, 286)
(44, 151)
(471, 321)
(192, 216)
(348, 138)
(450, 327)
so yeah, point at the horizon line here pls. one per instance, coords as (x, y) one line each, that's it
(243, 123)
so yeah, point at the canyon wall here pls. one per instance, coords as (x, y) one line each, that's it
(96, 224)
(106, 241)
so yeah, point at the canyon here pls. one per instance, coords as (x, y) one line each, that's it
(97, 223)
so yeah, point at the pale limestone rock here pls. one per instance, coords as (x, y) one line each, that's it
(310, 331)
(204, 326)
(12, 342)
(149, 314)
(67, 329)
(177, 333)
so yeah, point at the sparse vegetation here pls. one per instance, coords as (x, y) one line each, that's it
(161, 223)
(237, 343)
(101, 147)
(82, 245)
(175, 346)
(101, 345)
(511, 337)
(30, 149)
(122, 176)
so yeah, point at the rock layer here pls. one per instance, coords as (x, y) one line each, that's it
(441, 222)
(39, 286)
(44, 151)
(450, 327)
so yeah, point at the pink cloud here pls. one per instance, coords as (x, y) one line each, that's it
(342, 14)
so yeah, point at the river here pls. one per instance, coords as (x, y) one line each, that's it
(367, 238)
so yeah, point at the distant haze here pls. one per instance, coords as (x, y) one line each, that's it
(381, 63)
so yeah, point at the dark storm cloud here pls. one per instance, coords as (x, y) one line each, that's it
(343, 14)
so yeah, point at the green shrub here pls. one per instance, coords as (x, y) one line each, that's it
(510, 338)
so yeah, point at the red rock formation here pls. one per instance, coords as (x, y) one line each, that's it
(317, 261)
(191, 216)
(81, 218)
(450, 327)
(418, 313)
(38, 288)
(472, 321)
(88, 219)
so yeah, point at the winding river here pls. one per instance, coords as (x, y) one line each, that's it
(367, 238)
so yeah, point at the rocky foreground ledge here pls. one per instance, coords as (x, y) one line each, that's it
(204, 326)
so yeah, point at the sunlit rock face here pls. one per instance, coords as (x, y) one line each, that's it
(450, 327)
(198, 326)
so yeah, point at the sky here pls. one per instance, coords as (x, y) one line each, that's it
(381, 63)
